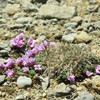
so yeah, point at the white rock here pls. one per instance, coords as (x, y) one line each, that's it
(23, 81)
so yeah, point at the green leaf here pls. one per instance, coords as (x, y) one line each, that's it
(31, 73)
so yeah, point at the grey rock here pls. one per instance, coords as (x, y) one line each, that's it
(16, 26)
(24, 20)
(54, 11)
(23, 81)
(69, 37)
(85, 96)
(2, 78)
(97, 24)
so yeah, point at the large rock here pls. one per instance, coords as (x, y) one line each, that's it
(11, 9)
(23, 81)
(59, 12)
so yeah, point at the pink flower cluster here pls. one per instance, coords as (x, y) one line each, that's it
(9, 63)
(17, 41)
(26, 61)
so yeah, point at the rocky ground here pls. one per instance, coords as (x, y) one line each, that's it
(73, 25)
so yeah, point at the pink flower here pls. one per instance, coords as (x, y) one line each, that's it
(31, 42)
(41, 47)
(19, 61)
(18, 40)
(25, 69)
(71, 78)
(98, 69)
(9, 63)
(45, 43)
(35, 50)
(52, 44)
(31, 61)
(88, 73)
(37, 67)
(20, 36)
(30, 53)
(9, 72)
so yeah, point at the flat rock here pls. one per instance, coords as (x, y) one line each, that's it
(54, 11)
(23, 81)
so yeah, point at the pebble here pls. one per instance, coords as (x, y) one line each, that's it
(23, 81)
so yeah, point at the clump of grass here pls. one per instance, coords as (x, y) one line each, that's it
(70, 59)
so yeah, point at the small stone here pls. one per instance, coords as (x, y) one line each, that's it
(24, 20)
(70, 24)
(2, 78)
(23, 81)
(11, 9)
(83, 37)
(69, 37)
(85, 96)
